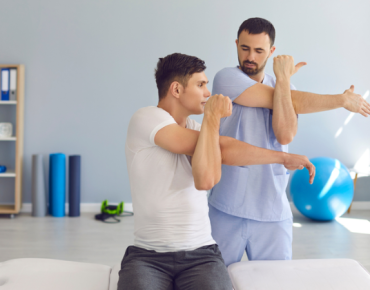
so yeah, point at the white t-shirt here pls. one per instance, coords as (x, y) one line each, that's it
(170, 213)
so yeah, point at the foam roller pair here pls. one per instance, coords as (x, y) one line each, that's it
(57, 185)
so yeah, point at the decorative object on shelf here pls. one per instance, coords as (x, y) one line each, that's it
(74, 185)
(2, 168)
(6, 130)
(39, 208)
(57, 184)
(329, 196)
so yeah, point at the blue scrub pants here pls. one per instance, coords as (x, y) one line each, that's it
(260, 240)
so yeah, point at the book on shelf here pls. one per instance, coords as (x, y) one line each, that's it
(8, 84)
(13, 84)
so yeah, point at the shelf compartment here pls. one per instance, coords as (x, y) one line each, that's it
(8, 102)
(8, 173)
(8, 138)
(7, 208)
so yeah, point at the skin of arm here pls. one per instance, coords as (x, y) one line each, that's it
(261, 96)
(284, 118)
(179, 140)
(206, 160)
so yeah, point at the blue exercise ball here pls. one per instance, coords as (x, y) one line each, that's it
(329, 196)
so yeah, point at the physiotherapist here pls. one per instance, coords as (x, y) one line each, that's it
(248, 208)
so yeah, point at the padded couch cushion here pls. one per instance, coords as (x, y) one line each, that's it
(338, 274)
(47, 274)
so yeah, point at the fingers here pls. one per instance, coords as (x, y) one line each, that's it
(228, 106)
(311, 170)
(366, 107)
(352, 88)
(230, 109)
(362, 112)
(299, 65)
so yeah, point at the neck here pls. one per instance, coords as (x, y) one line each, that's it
(258, 77)
(172, 106)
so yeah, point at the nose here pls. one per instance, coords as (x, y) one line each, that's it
(207, 93)
(251, 56)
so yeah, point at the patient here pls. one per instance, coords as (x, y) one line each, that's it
(172, 160)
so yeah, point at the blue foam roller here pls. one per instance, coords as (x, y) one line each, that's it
(57, 184)
(74, 185)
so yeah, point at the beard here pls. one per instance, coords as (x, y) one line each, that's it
(252, 71)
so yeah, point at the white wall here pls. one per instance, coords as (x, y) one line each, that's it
(90, 65)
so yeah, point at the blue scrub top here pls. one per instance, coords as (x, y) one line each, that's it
(257, 191)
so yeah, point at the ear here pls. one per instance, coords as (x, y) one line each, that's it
(272, 50)
(237, 42)
(175, 89)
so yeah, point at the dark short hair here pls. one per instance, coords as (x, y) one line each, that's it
(176, 67)
(258, 25)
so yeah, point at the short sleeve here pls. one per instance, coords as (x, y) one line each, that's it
(231, 82)
(144, 125)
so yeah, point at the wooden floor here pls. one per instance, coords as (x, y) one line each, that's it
(86, 240)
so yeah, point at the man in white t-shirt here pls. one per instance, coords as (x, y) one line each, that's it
(172, 160)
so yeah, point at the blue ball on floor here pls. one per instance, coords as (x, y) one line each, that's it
(329, 196)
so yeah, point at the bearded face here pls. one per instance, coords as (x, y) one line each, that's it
(251, 68)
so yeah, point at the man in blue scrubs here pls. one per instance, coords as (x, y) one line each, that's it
(249, 209)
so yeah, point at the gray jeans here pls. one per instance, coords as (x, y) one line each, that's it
(202, 268)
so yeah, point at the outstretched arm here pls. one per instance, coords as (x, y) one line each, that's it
(261, 96)
(179, 140)
(238, 153)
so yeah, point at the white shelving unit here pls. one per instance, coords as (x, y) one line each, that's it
(15, 172)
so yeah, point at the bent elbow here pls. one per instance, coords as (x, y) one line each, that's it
(207, 183)
(284, 140)
(204, 185)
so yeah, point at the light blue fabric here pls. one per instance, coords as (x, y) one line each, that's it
(254, 192)
(260, 240)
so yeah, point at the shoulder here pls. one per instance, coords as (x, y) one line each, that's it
(151, 113)
(228, 72)
(231, 76)
(148, 118)
(144, 124)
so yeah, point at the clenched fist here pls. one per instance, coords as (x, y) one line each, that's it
(284, 66)
(219, 106)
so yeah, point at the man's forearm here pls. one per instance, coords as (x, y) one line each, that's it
(206, 161)
(284, 118)
(262, 96)
(238, 153)
(306, 103)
